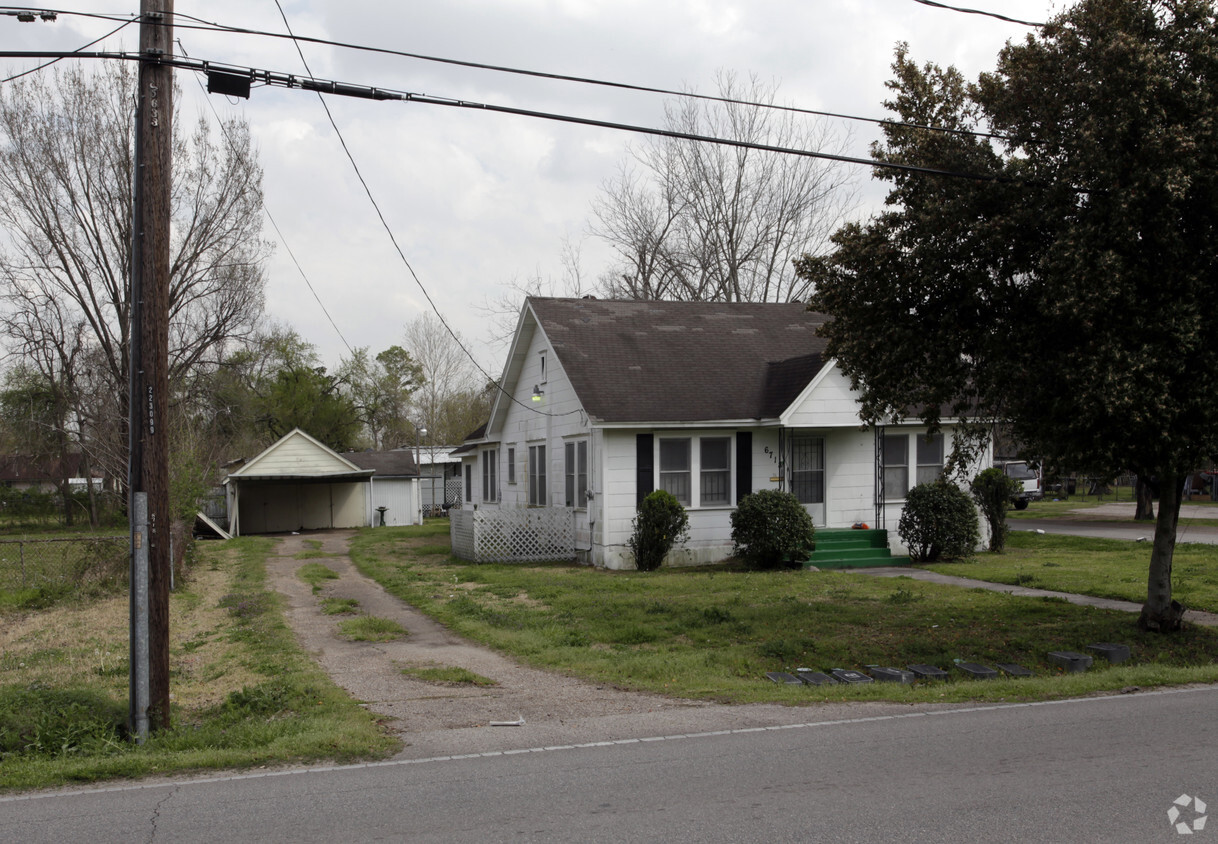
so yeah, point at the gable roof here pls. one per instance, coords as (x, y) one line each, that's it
(632, 361)
(298, 456)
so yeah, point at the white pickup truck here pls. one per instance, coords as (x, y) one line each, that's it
(1031, 487)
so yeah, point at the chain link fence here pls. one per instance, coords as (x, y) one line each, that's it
(92, 561)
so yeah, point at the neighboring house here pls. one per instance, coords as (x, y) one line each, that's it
(42, 474)
(605, 401)
(300, 484)
(439, 477)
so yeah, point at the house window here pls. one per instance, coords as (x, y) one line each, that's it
(808, 469)
(576, 472)
(896, 466)
(469, 483)
(715, 470)
(674, 468)
(542, 378)
(930, 458)
(490, 481)
(537, 475)
(511, 464)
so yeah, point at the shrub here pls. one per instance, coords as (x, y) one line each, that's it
(770, 528)
(939, 521)
(660, 523)
(993, 490)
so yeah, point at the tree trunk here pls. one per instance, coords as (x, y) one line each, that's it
(1160, 613)
(1145, 510)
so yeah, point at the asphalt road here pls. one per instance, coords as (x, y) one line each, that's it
(1114, 530)
(1101, 769)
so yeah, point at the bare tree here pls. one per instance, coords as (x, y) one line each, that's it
(448, 374)
(697, 221)
(66, 158)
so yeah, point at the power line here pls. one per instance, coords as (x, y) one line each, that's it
(78, 50)
(274, 224)
(393, 239)
(933, 4)
(327, 86)
(212, 26)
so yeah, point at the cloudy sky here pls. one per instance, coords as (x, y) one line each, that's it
(478, 200)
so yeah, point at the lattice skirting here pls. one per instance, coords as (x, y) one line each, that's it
(513, 536)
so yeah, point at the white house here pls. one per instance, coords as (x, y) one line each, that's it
(605, 401)
(298, 483)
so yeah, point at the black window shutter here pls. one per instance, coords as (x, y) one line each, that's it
(744, 464)
(645, 461)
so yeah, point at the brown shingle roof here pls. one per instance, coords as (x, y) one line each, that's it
(635, 361)
(391, 464)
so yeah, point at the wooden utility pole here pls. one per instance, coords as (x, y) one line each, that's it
(148, 470)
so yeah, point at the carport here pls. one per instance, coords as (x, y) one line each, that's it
(298, 484)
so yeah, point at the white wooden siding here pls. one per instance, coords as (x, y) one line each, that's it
(400, 495)
(297, 455)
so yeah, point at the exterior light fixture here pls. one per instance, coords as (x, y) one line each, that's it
(537, 392)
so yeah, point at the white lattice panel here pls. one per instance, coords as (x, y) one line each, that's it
(513, 535)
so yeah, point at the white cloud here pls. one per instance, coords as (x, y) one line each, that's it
(477, 199)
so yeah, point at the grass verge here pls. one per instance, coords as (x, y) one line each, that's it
(713, 633)
(1106, 568)
(244, 693)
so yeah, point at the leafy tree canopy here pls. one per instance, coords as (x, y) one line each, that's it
(1071, 289)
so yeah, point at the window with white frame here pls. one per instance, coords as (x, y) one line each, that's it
(511, 464)
(674, 468)
(896, 466)
(490, 470)
(930, 458)
(715, 470)
(575, 460)
(537, 475)
(704, 459)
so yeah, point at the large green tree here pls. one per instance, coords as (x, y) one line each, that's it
(1073, 289)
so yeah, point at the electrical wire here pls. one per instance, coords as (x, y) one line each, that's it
(212, 26)
(401, 254)
(78, 50)
(271, 218)
(933, 4)
(327, 86)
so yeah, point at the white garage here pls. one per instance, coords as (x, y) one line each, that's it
(298, 484)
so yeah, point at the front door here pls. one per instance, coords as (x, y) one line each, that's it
(808, 474)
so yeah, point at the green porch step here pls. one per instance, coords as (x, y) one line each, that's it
(846, 548)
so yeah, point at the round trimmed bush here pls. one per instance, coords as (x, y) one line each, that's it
(938, 522)
(771, 528)
(660, 523)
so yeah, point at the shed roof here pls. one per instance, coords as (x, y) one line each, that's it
(386, 464)
(632, 361)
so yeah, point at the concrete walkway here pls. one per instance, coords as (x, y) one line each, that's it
(1205, 619)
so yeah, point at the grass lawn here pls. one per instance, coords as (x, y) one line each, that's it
(1108, 568)
(244, 694)
(713, 633)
